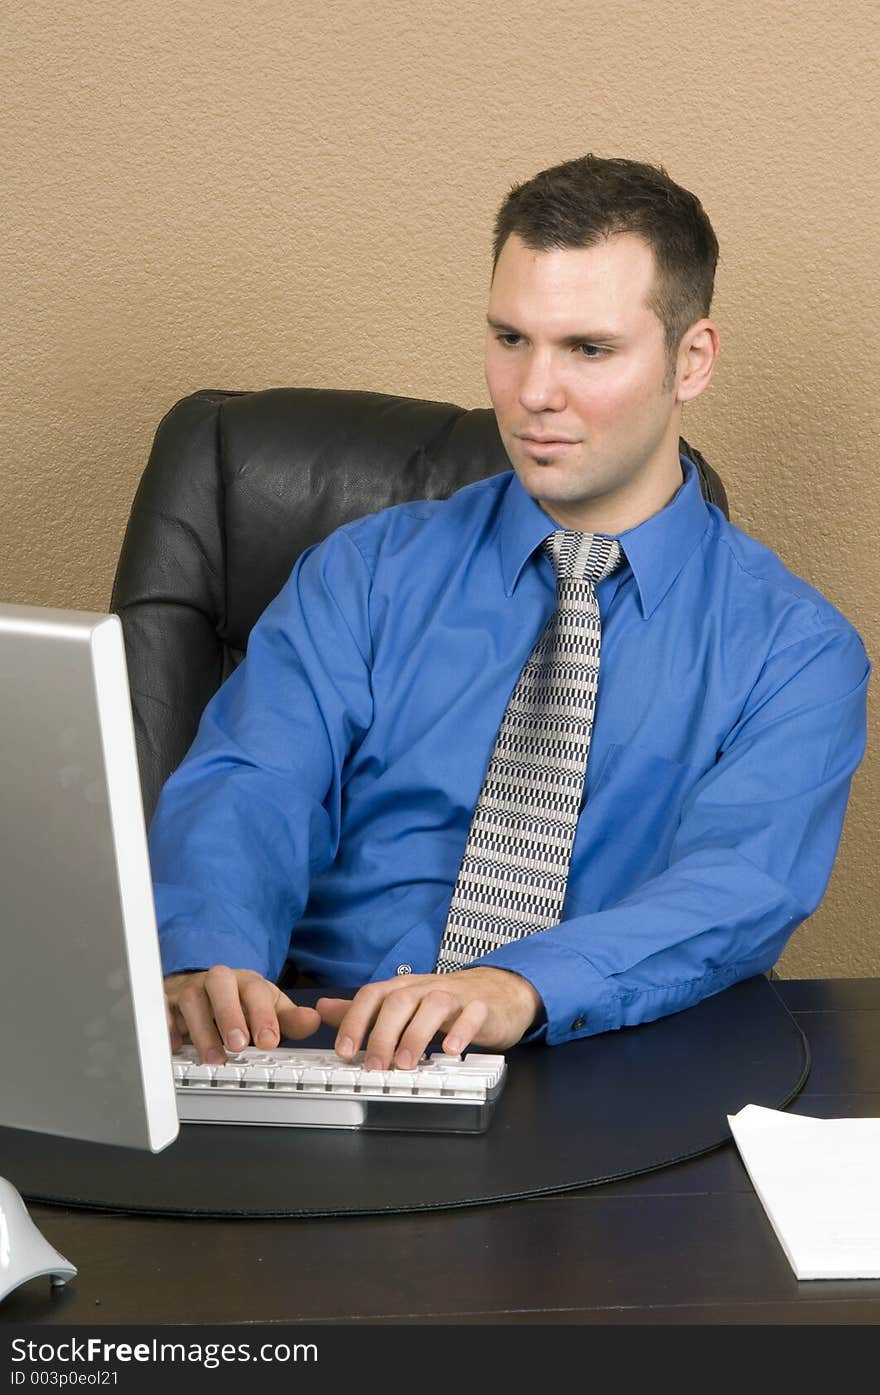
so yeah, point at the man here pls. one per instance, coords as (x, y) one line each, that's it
(378, 795)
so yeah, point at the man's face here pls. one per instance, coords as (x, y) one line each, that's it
(576, 366)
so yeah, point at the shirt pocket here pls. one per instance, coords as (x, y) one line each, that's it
(636, 801)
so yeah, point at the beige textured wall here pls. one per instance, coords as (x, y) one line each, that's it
(301, 192)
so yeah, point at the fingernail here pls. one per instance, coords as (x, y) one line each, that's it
(266, 1038)
(452, 1045)
(236, 1040)
(372, 1063)
(346, 1047)
(404, 1059)
(215, 1057)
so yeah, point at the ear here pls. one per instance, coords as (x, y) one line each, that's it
(695, 361)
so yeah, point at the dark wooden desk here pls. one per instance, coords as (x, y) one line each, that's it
(686, 1245)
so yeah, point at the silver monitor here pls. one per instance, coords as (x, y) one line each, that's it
(83, 1036)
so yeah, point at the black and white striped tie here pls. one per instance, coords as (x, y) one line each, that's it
(515, 866)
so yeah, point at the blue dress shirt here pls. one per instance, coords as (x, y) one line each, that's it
(323, 809)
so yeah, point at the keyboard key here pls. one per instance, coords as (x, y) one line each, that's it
(230, 1074)
(199, 1074)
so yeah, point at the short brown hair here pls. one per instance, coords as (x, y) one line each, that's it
(582, 201)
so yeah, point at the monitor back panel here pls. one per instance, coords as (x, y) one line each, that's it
(82, 1021)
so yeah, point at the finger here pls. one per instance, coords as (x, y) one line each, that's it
(295, 1020)
(359, 1016)
(466, 1027)
(332, 1010)
(271, 1015)
(223, 987)
(198, 1016)
(174, 1034)
(437, 1008)
(411, 1014)
(258, 999)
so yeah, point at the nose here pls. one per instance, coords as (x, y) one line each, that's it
(540, 388)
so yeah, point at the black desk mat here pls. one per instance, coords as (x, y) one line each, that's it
(590, 1111)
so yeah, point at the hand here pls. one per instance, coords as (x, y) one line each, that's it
(221, 1006)
(486, 1006)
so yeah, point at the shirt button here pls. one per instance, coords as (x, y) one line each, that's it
(577, 1024)
(403, 969)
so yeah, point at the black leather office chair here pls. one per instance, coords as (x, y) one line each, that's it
(237, 485)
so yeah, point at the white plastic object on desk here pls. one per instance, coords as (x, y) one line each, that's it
(24, 1252)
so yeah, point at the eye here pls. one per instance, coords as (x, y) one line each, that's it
(509, 341)
(591, 350)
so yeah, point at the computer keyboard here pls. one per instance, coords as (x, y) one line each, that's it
(313, 1088)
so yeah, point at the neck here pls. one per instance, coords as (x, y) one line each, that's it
(624, 507)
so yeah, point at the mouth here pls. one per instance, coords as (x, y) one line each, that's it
(538, 446)
(531, 439)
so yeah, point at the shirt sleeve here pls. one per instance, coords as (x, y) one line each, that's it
(253, 811)
(750, 860)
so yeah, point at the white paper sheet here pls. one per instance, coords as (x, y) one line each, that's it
(819, 1182)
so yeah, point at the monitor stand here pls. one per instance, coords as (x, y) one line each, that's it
(24, 1252)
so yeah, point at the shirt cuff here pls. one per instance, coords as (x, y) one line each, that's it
(578, 1001)
(185, 942)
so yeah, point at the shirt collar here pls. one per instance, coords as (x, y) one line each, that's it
(656, 550)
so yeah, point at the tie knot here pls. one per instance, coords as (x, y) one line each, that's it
(583, 556)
